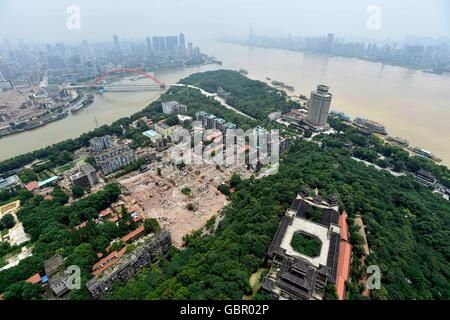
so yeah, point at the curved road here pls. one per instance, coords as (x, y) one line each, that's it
(215, 96)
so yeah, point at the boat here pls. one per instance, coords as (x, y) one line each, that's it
(83, 102)
(400, 141)
(426, 154)
(243, 71)
(290, 88)
(277, 83)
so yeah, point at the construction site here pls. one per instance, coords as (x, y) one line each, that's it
(182, 199)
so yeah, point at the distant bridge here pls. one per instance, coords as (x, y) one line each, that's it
(97, 83)
(122, 87)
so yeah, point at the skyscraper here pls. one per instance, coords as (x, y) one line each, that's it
(149, 44)
(329, 43)
(171, 44)
(182, 41)
(319, 106)
(159, 45)
(116, 42)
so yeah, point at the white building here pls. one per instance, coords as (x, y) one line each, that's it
(319, 106)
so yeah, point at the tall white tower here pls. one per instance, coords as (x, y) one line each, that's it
(319, 106)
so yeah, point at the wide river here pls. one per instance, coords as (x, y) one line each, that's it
(410, 103)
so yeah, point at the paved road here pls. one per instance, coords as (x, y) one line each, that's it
(216, 97)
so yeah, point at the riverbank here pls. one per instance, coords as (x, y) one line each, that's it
(106, 109)
(402, 65)
(412, 104)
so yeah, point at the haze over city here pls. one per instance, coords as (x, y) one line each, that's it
(206, 19)
(248, 152)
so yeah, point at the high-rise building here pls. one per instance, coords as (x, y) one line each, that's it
(171, 44)
(116, 42)
(159, 45)
(182, 41)
(329, 43)
(149, 44)
(319, 106)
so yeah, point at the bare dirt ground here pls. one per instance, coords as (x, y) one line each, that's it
(160, 197)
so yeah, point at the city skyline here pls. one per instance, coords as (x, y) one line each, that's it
(210, 20)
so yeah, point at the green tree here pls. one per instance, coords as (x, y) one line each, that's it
(23, 291)
(7, 221)
(151, 225)
(235, 180)
(77, 191)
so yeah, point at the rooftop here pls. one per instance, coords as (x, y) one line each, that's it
(47, 181)
(151, 134)
(133, 234)
(34, 279)
(33, 185)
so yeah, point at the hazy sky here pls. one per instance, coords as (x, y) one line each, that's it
(45, 20)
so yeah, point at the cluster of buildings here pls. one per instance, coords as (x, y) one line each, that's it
(111, 158)
(210, 121)
(295, 275)
(26, 65)
(428, 54)
(33, 78)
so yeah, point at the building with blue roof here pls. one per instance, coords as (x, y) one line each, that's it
(48, 181)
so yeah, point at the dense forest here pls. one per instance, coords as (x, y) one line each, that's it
(51, 226)
(252, 97)
(407, 233)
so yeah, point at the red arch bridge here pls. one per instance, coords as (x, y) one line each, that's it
(97, 83)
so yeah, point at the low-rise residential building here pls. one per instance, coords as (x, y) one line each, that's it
(152, 135)
(163, 129)
(10, 182)
(133, 235)
(128, 265)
